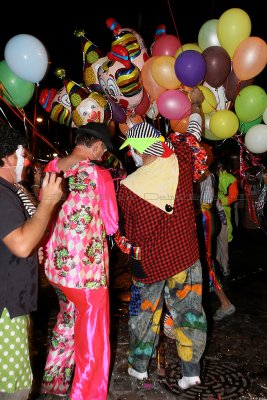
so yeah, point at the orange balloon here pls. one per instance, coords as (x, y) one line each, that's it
(149, 83)
(250, 58)
(130, 121)
(179, 125)
(163, 72)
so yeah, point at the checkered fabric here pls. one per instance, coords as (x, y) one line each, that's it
(168, 241)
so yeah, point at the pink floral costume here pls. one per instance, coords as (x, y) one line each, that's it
(77, 262)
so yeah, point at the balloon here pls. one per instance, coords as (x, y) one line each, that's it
(206, 133)
(256, 139)
(179, 125)
(190, 68)
(118, 113)
(245, 126)
(264, 116)
(120, 79)
(27, 57)
(234, 25)
(143, 107)
(163, 73)
(174, 104)
(218, 65)
(250, 58)
(188, 46)
(153, 111)
(207, 35)
(166, 45)
(17, 92)
(219, 93)
(250, 103)
(149, 83)
(224, 124)
(209, 103)
(233, 85)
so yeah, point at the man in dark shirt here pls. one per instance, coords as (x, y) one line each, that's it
(21, 230)
(156, 202)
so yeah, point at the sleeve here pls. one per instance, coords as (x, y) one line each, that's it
(232, 194)
(195, 126)
(109, 208)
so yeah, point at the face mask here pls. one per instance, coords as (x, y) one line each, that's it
(20, 163)
(137, 159)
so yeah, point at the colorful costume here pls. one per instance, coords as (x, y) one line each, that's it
(77, 263)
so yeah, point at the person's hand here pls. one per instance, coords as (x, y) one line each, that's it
(41, 255)
(52, 188)
(196, 96)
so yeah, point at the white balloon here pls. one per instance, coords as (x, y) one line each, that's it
(207, 35)
(256, 139)
(264, 116)
(27, 57)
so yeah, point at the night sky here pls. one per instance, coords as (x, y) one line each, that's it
(54, 23)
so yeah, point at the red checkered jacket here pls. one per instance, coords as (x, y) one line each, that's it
(168, 242)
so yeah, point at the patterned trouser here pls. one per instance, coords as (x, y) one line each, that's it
(183, 296)
(59, 365)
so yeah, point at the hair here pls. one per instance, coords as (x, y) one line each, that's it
(10, 139)
(84, 139)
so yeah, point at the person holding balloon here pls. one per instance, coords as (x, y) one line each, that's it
(156, 203)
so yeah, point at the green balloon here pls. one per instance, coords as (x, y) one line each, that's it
(244, 126)
(250, 103)
(16, 91)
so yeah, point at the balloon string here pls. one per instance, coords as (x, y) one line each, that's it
(21, 117)
(173, 20)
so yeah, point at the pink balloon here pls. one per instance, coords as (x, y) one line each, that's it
(166, 45)
(174, 104)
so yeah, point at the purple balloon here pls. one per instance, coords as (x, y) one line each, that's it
(190, 68)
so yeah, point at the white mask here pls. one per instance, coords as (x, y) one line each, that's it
(20, 163)
(137, 159)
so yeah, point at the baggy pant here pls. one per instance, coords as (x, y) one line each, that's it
(183, 296)
(91, 343)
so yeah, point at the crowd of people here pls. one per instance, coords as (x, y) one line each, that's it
(69, 223)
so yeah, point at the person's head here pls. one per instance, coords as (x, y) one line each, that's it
(11, 153)
(94, 136)
(145, 140)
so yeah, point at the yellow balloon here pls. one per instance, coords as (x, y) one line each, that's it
(234, 25)
(224, 124)
(209, 104)
(187, 46)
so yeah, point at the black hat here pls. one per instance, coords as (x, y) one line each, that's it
(99, 131)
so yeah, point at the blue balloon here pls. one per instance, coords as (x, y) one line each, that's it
(190, 68)
(27, 57)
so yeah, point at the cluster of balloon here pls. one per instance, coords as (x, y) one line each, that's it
(93, 58)
(86, 106)
(233, 59)
(25, 63)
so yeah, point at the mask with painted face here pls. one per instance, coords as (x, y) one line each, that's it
(20, 162)
(137, 159)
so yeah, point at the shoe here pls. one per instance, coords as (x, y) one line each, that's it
(136, 374)
(187, 382)
(226, 271)
(224, 312)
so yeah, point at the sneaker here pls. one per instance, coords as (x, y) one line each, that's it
(187, 382)
(136, 374)
(224, 312)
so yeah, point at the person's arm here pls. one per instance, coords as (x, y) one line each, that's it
(23, 240)
(232, 194)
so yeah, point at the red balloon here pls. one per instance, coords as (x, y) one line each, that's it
(166, 45)
(218, 65)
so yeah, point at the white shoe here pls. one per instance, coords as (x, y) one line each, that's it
(136, 374)
(188, 381)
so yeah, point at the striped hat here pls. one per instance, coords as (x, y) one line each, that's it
(146, 139)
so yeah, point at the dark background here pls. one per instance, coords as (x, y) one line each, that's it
(54, 23)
